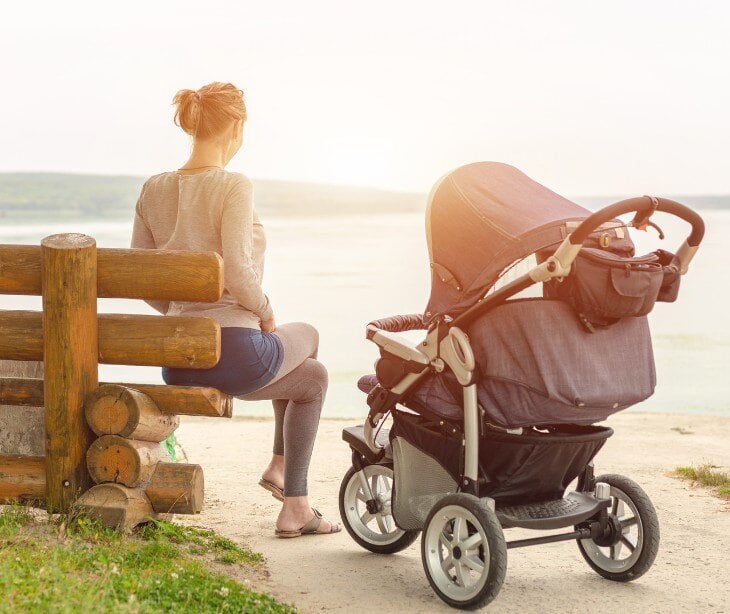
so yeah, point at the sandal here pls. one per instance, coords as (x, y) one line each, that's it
(275, 491)
(310, 528)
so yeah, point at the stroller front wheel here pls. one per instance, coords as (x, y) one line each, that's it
(636, 546)
(369, 521)
(463, 551)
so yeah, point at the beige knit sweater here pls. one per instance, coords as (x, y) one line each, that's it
(209, 211)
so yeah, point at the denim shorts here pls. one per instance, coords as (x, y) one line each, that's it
(249, 360)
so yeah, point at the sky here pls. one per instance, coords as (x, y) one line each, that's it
(613, 98)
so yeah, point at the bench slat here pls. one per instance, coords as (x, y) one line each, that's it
(164, 341)
(170, 400)
(149, 274)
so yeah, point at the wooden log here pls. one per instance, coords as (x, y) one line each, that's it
(155, 274)
(164, 341)
(125, 273)
(70, 353)
(22, 479)
(112, 409)
(188, 400)
(20, 269)
(170, 400)
(176, 488)
(125, 461)
(115, 505)
(21, 335)
(21, 391)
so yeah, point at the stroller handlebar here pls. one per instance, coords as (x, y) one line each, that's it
(397, 324)
(644, 206)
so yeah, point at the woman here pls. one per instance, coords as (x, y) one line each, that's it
(202, 207)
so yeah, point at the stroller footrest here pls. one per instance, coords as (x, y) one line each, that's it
(355, 438)
(565, 512)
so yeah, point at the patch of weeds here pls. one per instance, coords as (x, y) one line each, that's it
(200, 542)
(228, 558)
(682, 431)
(86, 567)
(12, 519)
(705, 475)
(89, 529)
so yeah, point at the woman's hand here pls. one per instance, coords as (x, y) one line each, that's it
(268, 326)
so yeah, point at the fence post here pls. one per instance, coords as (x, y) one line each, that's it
(70, 354)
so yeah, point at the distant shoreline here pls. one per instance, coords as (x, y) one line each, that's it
(28, 197)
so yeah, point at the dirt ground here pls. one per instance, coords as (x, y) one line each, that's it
(333, 574)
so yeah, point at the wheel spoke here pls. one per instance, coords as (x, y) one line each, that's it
(459, 568)
(360, 496)
(445, 541)
(628, 522)
(625, 541)
(616, 551)
(614, 507)
(447, 563)
(473, 563)
(621, 508)
(472, 542)
(460, 531)
(381, 523)
(388, 525)
(366, 517)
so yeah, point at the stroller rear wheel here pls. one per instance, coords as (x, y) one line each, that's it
(367, 516)
(636, 545)
(463, 551)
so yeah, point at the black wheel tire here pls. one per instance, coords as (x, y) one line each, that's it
(402, 542)
(649, 526)
(495, 541)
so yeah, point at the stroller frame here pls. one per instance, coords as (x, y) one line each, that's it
(593, 509)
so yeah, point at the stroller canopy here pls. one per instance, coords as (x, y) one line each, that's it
(481, 218)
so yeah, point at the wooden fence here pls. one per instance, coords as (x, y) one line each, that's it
(127, 461)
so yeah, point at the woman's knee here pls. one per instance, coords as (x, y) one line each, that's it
(313, 380)
(312, 336)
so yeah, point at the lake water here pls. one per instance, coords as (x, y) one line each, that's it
(340, 272)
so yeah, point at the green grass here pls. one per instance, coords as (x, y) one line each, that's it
(162, 567)
(706, 475)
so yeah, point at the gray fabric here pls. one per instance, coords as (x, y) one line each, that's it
(297, 393)
(538, 365)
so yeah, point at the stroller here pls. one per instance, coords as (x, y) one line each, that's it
(494, 411)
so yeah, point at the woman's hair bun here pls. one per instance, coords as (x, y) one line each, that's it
(210, 110)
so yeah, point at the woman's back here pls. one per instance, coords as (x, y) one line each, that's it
(209, 211)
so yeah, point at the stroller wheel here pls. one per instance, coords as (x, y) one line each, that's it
(464, 552)
(370, 521)
(636, 547)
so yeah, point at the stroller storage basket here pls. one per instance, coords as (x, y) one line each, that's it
(514, 469)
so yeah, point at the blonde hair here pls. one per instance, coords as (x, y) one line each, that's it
(209, 111)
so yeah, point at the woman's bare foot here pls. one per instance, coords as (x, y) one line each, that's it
(296, 513)
(274, 473)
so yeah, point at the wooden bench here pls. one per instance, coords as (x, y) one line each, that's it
(108, 433)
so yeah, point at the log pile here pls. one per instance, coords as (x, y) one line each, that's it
(134, 477)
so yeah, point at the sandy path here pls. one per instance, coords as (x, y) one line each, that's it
(333, 574)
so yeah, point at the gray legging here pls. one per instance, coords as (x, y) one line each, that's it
(297, 393)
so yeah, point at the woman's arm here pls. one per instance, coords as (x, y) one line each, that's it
(142, 238)
(241, 278)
